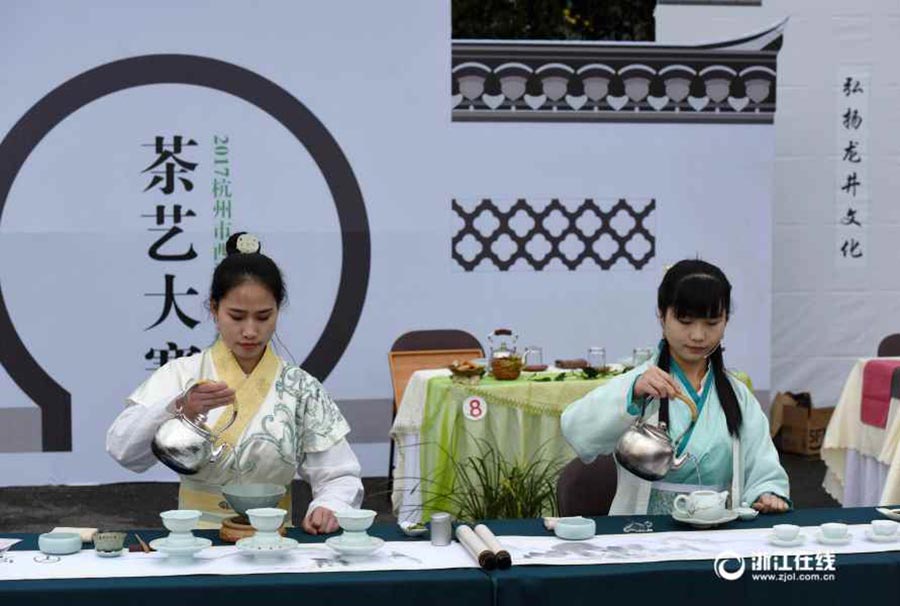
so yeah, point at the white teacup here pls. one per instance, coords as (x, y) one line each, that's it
(834, 530)
(355, 520)
(354, 523)
(884, 528)
(702, 504)
(180, 520)
(786, 532)
(266, 519)
(180, 523)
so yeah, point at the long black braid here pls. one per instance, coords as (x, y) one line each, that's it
(733, 415)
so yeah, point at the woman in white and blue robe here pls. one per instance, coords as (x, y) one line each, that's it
(728, 446)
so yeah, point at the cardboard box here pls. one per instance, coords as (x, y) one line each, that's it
(795, 426)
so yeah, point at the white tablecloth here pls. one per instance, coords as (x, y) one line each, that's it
(228, 560)
(862, 461)
(421, 555)
(406, 498)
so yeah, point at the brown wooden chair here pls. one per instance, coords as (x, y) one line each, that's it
(587, 489)
(889, 346)
(424, 349)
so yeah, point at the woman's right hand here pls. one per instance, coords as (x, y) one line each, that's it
(655, 383)
(203, 397)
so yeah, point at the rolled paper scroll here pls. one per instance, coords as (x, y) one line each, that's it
(476, 547)
(504, 560)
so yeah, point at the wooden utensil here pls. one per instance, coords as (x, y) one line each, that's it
(690, 404)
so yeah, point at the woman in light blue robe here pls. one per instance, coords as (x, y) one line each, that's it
(728, 446)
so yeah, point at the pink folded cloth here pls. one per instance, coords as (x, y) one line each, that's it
(876, 391)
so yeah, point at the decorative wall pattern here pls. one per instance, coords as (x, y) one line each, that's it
(537, 81)
(599, 233)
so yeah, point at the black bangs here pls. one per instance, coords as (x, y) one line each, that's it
(700, 296)
(696, 289)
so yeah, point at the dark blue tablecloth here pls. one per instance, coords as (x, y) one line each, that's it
(857, 577)
(871, 577)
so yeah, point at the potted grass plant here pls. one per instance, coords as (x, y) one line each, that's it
(487, 485)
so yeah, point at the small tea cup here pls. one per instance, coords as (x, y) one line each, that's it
(266, 519)
(355, 520)
(109, 542)
(786, 532)
(834, 530)
(180, 520)
(884, 528)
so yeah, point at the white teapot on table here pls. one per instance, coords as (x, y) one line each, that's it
(706, 505)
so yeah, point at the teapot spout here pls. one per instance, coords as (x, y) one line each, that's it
(218, 451)
(677, 462)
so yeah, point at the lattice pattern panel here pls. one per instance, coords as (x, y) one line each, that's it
(531, 235)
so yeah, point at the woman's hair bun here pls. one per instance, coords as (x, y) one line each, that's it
(242, 242)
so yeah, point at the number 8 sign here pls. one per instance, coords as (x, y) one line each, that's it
(474, 408)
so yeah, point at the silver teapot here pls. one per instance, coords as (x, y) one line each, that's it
(186, 446)
(647, 451)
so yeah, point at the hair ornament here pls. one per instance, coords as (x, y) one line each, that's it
(247, 244)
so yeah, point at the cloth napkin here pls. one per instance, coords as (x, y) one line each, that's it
(876, 391)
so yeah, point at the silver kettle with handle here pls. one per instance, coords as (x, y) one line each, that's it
(185, 445)
(647, 451)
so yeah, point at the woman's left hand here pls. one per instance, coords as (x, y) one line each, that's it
(320, 520)
(770, 503)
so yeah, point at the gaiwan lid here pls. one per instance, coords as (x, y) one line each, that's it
(575, 528)
(59, 543)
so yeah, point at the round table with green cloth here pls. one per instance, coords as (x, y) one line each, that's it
(520, 422)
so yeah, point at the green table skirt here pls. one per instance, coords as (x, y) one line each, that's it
(518, 420)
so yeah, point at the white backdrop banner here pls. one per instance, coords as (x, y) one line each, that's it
(402, 181)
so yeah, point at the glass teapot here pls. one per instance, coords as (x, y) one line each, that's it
(502, 344)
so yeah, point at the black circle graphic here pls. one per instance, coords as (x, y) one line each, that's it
(27, 133)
